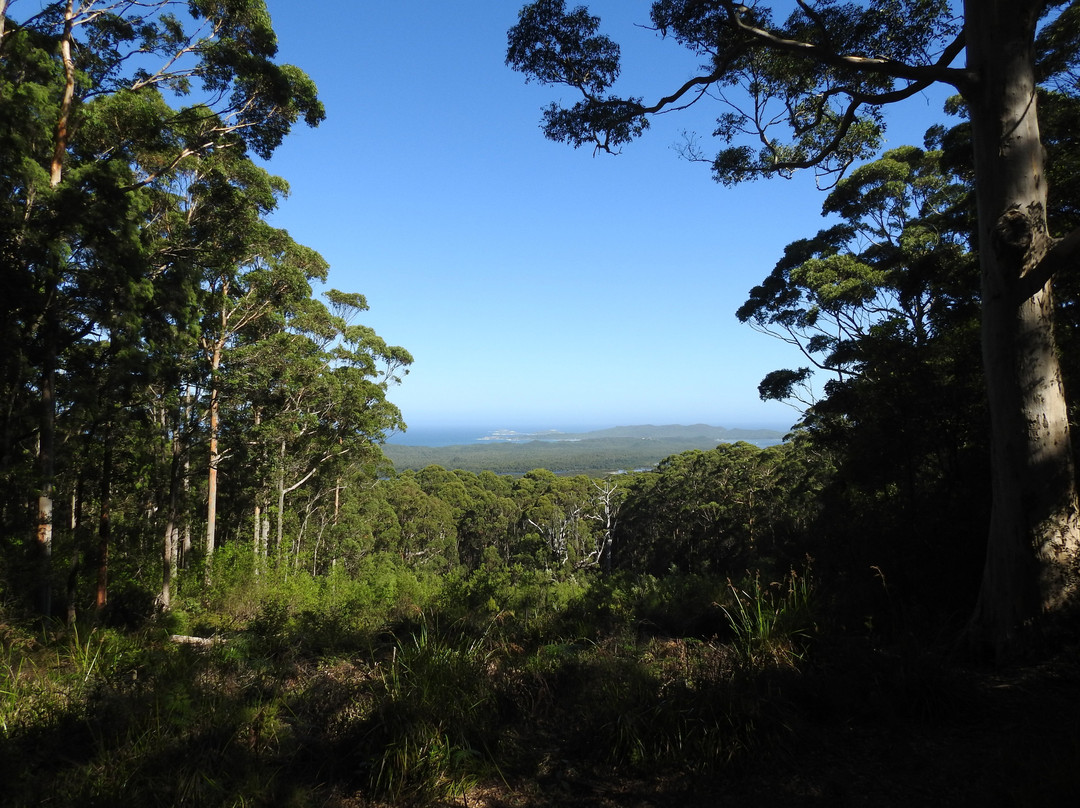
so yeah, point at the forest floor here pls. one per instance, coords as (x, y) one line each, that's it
(890, 734)
(253, 721)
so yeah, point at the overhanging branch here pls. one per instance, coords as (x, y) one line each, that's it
(939, 71)
(1062, 256)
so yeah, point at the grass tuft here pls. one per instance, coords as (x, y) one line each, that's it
(772, 623)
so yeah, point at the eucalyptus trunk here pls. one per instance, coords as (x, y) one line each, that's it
(46, 466)
(169, 548)
(212, 466)
(47, 427)
(1034, 532)
(101, 599)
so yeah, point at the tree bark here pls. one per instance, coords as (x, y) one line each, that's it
(60, 143)
(46, 463)
(1034, 533)
(47, 434)
(104, 524)
(212, 473)
(76, 534)
(169, 550)
(280, 501)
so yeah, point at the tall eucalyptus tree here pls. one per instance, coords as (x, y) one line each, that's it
(823, 75)
(103, 101)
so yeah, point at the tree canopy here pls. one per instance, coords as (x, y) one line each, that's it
(808, 92)
(157, 323)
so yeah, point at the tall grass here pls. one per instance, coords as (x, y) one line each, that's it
(434, 727)
(413, 700)
(771, 623)
(44, 680)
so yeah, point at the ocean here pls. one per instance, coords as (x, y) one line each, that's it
(464, 435)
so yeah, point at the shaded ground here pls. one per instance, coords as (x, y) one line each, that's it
(894, 733)
(255, 725)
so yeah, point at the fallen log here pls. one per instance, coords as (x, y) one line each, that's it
(201, 642)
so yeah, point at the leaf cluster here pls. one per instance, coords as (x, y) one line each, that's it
(805, 93)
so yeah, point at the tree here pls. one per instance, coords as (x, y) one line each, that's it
(885, 305)
(895, 271)
(426, 534)
(708, 512)
(92, 134)
(318, 383)
(824, 75)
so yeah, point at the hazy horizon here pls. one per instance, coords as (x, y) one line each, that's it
(449, 434)
(536, 286)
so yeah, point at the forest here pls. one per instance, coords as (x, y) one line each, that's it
(216, 589)
(593, 456)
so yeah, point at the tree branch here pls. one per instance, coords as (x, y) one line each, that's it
(1063, 255)
(939, 71)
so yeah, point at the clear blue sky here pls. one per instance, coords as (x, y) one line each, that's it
(536, 286)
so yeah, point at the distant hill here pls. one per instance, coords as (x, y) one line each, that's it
(681, 431)
(604, 451)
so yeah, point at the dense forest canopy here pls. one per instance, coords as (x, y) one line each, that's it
(164, 338)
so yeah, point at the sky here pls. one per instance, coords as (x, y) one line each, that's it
(535, 285)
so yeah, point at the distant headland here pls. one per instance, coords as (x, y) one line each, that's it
(596, 452)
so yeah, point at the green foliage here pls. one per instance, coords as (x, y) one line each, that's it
(433, 730)
(809, 107)
(554, 46)
(772, 623)
(720, 511)
(283, 611)
(434, 707)
(596, 457)
(886, 304)
(671, 706)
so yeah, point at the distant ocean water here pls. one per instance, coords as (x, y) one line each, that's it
(463, 435)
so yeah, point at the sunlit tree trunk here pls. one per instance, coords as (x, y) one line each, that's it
(169, 549)
(1034, 534)
(184, 545)
(60, 143)
(280, 500)
(51, 324)
(76, 532)
(212, 471)
(47, 392)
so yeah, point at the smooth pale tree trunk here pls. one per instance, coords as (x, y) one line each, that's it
(184, 547)
(60, 143)
(104, 524)
(47, 420)
(169, 549)
(257, 517)
(76, 533)
(280, 501)
(1034, 533)
(212, 473)
(282, 490)
(255, 533)
(46, 473)
(215, 351)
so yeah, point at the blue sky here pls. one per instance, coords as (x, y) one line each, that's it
(536, 286)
